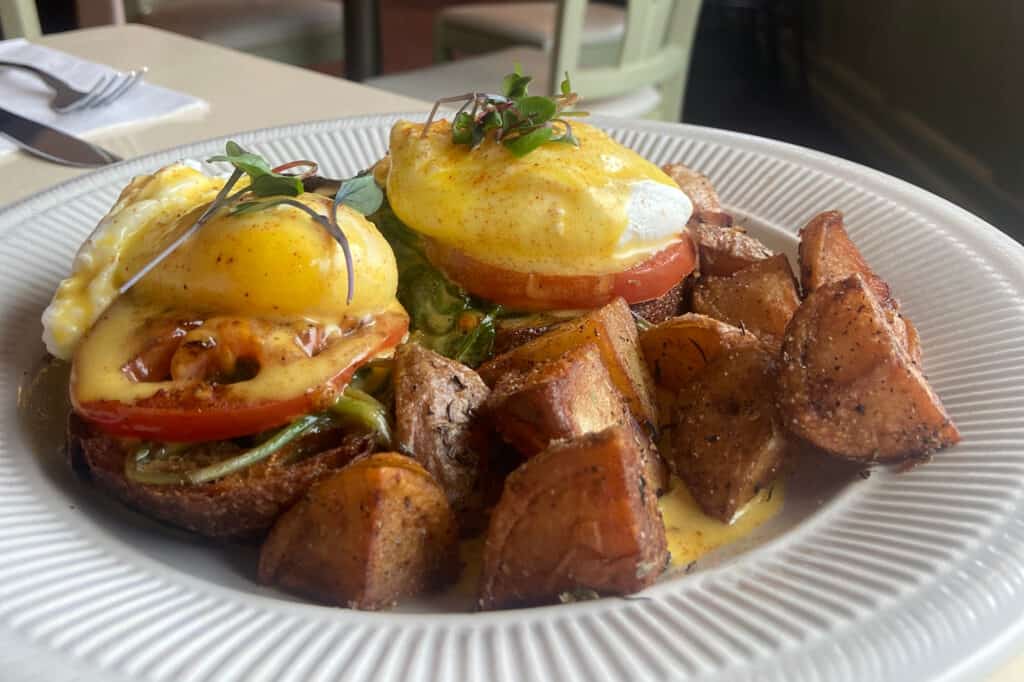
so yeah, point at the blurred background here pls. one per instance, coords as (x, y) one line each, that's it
(927, 90)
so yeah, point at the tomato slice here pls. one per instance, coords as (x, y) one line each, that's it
(527, 291)
(183, 411)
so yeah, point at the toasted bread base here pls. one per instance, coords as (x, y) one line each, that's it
(239, 507)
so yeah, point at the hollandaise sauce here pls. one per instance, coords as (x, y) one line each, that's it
(691, 534)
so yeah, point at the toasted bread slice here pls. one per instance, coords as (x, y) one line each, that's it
(242, 506)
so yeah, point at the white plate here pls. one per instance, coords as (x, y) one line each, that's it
(898, 577)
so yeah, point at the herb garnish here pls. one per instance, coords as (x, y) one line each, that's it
(270, 187)
(520, 121)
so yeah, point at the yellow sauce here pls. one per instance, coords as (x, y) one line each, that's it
(691, 534)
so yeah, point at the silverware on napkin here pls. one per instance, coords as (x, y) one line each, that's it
(51, 144)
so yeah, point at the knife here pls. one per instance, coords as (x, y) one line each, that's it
(51, 144)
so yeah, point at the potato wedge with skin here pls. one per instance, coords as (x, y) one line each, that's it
(614, 331)
(848, 385)
(367, 536)
(575, 517)
(726, 442)
(678, 350)
(722, 251)
(563, 399)
(760, 298)
(436, 400)
(827, 254)
(696, 186)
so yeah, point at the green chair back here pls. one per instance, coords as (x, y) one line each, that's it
(655, 51)
(19, 18)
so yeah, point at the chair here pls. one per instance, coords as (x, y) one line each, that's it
(300, 32)
(19, 19)
(646, 80)
(486, 27)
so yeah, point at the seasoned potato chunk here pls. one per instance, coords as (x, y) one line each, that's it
(760, 298)
(562, 399)
(726, 442)
(614, 332)
(827, 254)
(378, 530)
(724, 250)
(576, 517)
(677, 350)
(435, 402)
(696, 186)
(849, 386)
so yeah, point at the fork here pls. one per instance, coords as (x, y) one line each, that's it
(67, 98)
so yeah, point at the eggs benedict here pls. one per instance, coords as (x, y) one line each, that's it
(572, 224)
(233, 352)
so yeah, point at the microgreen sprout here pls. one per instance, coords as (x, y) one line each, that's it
(518, 120)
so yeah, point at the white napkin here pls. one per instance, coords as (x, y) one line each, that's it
(24, 94)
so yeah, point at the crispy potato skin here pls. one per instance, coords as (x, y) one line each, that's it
(613, 330)
(678, 350)
(239, 507)
(563, 399)
(367, 536)
(827, 254)
(696, 186)
(848, 384)
(577, 516)
(726, 442)
(761, 298)
(721, 251)
(436, 400)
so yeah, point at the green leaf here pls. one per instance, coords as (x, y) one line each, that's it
(276, 185)
(537, 109)
(514, 85)
(246, 161)
(360, 193)
(462, 128)
(566, 86)
(478, 343)
(522, 145)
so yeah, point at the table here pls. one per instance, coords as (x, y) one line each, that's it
(244, 93)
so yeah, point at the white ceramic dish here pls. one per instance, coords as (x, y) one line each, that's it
(916, 576)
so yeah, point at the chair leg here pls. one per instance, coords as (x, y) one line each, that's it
(442, 52)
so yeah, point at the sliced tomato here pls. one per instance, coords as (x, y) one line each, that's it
(527, 291)
(184, 411)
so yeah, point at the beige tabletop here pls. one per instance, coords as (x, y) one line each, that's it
(244, 93)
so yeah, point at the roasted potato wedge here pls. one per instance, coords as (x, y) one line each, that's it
(696, 186)
(848, 384)
(578, 516)
(678, 350)
(563, 399)
(435, 403)
(827, 254)
(367, 536)
(722, 251)
(726, 442)
(760, 298)
(614, 332)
